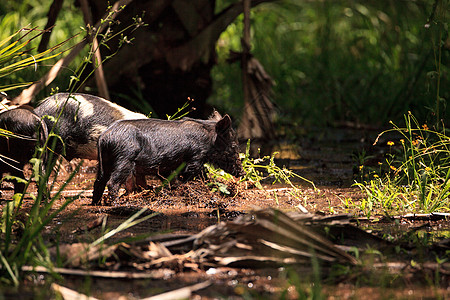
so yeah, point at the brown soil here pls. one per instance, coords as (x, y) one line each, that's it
(191, 207)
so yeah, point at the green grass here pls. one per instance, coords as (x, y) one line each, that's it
(22, 242)
(33, 14)
(415, 176)
(29, 248)
(15, 56)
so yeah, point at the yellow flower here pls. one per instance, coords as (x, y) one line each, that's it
(415, 142)
(402, 141)
(375, 176)
(390, 143)
(428, 169)
(425, 126)
(393, 168)
(361, 167)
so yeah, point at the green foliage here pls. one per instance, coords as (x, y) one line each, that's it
(438, 25)
(382, 196)
(14, 56)
(416, 174)
(29, 248)
(219, 179)
(257, 171)
(336, 61)
(33, 14)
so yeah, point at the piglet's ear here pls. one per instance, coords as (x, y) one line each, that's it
(224, 124)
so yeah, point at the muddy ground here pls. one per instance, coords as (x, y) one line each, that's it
(327, 159)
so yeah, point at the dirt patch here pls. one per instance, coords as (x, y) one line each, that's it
(191, 207)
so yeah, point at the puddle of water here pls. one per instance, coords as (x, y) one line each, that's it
(411, 231)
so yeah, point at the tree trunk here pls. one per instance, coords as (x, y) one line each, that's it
(167, 61)
(171, 58)
(256, 121)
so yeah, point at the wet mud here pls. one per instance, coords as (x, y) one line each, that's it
(327, 159)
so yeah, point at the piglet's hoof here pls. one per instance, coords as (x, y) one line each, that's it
(100, 202)
(95, 204)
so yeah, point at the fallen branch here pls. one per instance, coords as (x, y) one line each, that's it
(153, 274)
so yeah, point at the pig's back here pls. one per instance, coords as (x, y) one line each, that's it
(83, 118)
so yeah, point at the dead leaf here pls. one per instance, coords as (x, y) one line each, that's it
(267, 235)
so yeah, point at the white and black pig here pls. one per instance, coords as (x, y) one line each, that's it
(16, 150)
(81, 118)
(157, 147)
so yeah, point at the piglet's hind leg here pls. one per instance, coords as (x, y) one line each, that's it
(120, 173)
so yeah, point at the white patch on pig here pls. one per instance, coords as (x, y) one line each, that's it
(127, 114)
(96, 130)
(87, 109)
(89, 150)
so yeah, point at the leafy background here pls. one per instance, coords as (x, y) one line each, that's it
(332, 62)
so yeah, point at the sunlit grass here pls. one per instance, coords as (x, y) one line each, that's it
(415, 177)
(265, 168)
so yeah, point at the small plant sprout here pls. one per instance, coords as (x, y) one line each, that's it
(259, 169)
(182, 111)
